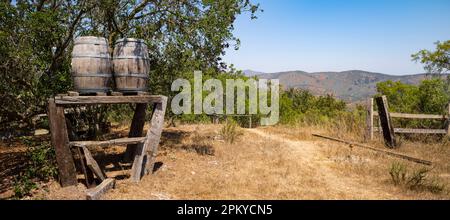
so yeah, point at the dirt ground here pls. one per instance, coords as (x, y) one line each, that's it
(194, 162)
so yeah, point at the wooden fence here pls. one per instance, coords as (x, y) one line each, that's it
(386, 128)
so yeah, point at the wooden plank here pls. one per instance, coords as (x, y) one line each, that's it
(448, 119)
(369, 120)
(402, 156)
(414, 116)
(156, 128)
(136, 130)
(388, 130)
(60, 141)
(415, 131)
(93, 165)
(90, 100)
(419, 131)
(143, 161)
(97, 192)
(88, 175)
(119, 141)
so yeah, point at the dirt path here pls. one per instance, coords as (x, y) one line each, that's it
(310, 156)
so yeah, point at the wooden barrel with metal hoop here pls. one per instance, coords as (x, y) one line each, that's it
(131, 65)
(91, 65)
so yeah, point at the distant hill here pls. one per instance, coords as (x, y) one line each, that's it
(252, 73)
(352, 86)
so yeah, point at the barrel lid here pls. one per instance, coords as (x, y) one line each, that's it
(90, 40)
(130, 40)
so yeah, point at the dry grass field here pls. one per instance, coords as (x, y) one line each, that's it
(194, 162)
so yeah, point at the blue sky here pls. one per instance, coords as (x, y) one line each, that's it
(338, 35)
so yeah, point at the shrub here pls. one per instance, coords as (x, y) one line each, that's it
(418, 180)
(398, 173)
(230, 131)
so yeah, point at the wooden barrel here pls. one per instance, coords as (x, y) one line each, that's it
(91, 65)
(131, 65)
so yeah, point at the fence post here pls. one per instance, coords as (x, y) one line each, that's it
(448, 119)
(385, 119)
(369, 120)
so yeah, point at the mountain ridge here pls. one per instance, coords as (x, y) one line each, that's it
(349, 85)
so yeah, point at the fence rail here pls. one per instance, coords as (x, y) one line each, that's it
(414, 116)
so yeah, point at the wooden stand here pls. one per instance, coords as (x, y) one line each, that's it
(142, 150)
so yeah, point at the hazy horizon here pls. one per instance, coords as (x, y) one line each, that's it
(323, 35)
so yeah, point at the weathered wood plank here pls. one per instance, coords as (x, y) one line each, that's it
(402, 156)
(97, 192)
(388, 130)
(119, 141)
(88, 175)
(415, 130)
(157, 124)
(419, 131)
(136, 130)
(60, 141)
(93, 165)
(369, 120)
(414, 116)
(143, 160)
(89, 100)
(448, 119)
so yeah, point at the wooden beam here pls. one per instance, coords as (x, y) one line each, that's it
(60, 141)
(448, 119)
(415, 130)
(385, 119)
(119, 141)
(414, 116)
(136, 130)
(88, 175)
(369, 120)
(402, 156)
(157, 124)
(419, 131)
(143, 162)
(93, 165)
(91, 100)
(97, 192)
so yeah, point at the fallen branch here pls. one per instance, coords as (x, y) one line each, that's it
(417, 160)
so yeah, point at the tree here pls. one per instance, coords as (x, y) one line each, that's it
(182, 36)
(402, 97)
(436, 62)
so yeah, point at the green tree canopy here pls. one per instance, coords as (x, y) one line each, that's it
(436, 62)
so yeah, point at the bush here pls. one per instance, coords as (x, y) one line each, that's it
(300, 106)
(230, 131)
(398, 173)
(418, 180)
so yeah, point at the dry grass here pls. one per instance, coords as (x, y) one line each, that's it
(265, 163)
